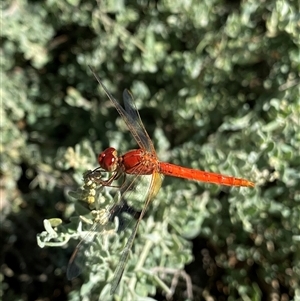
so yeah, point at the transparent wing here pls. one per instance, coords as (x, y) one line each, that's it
(155, 184)
(131, 117)
(141, 189)
(137, 123)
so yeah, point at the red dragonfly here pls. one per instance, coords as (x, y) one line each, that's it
(135, 165)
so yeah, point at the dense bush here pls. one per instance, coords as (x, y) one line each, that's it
(217, 86)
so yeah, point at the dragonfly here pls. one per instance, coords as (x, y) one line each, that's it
(132, 167)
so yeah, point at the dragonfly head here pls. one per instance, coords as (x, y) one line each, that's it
(108, 159)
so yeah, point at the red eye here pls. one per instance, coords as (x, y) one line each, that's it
(108, 159)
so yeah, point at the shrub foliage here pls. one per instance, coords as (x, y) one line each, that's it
(217, 86)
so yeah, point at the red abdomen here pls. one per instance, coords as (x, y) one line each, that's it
(203, 176)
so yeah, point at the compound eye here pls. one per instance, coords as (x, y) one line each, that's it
(108, 159)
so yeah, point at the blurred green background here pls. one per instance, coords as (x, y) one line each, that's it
(217, 86)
